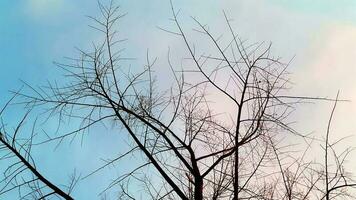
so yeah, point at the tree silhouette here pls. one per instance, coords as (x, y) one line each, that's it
(191, 149)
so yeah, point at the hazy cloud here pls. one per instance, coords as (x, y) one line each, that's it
(42, 8)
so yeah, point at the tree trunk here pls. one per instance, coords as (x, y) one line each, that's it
(236, 175)
(198, 189)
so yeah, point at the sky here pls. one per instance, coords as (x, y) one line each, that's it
(319, 34)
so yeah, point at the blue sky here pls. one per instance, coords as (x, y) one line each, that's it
(34, 33)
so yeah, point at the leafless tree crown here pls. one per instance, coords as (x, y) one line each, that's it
(190, 149)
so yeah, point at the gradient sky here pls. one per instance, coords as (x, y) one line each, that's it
(320, 33)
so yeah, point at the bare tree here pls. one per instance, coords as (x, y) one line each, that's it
(192, 149)
(21, 174)
(337, 178)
